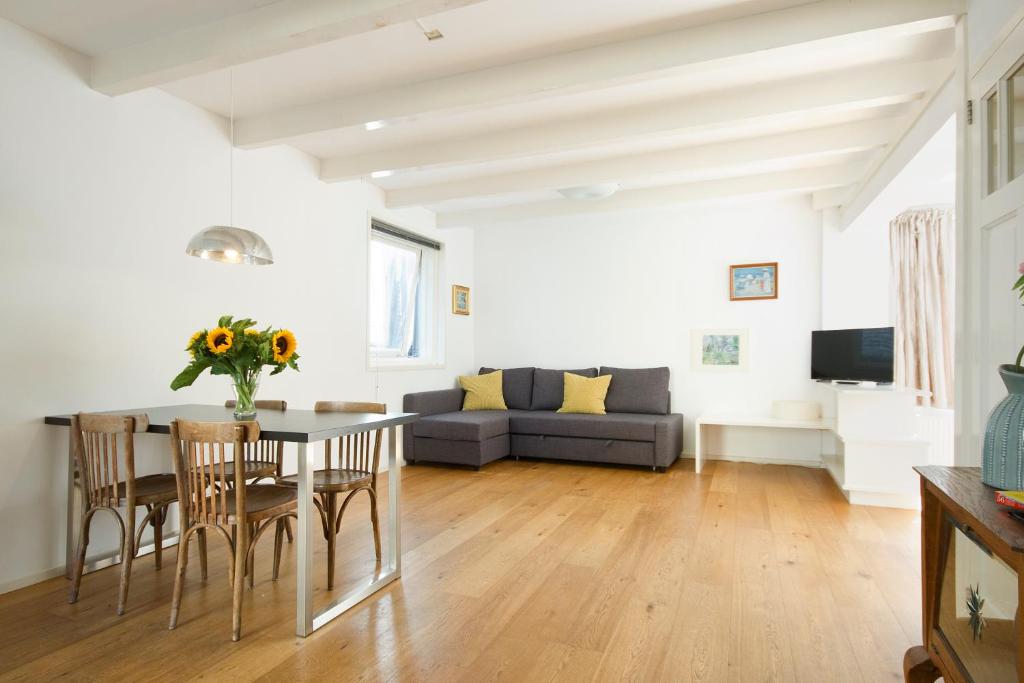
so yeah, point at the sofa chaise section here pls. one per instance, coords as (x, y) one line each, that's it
(447, 434)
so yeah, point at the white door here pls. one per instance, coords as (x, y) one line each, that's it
(991, 324)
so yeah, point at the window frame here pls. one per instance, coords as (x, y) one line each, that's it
(436, 359)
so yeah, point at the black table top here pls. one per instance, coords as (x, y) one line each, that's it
(298, 426)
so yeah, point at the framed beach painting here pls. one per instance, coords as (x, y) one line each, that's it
(460, 300)
(754, 281)
(725, 350)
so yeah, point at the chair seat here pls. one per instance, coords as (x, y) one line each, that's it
(325, 481)
(253, 469)
(261, 501)
(151, 488)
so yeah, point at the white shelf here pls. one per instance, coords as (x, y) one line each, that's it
(762, 421)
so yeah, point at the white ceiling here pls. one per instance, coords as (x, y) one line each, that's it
(545, 113)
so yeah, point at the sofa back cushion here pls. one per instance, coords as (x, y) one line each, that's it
(640, 390)
(549, 387)
(516, 385)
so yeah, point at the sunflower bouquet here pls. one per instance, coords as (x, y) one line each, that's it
(237, 349)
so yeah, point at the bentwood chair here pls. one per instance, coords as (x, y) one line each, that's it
(109, 483)
(358, 458)
(263, 459)
(201, 451)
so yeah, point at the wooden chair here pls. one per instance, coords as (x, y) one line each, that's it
(263, 459)
(109, 483)
(201, 464)
(358, 458)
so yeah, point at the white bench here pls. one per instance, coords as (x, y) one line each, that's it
(750, 421)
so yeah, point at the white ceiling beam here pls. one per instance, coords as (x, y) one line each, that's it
(800, 181)
(271, 29)
(834, 197)
(850, 89)
(666, 54)
(845, 138)
(933, 114)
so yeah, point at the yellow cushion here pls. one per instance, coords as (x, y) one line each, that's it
(585, 394)
(483, 392)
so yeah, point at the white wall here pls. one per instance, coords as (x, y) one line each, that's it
(98, 197)
(856, 278)
(986, 22)
(626, 289)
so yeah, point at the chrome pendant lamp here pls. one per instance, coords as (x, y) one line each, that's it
(228, 243)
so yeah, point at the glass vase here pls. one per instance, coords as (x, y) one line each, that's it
(245, 396)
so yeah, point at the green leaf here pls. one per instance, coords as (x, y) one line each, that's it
(225, 321)
(278, 368)
(187, 376)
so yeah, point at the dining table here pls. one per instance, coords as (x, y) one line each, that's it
(301, 427)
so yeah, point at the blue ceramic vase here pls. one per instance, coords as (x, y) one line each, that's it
(1002, 463)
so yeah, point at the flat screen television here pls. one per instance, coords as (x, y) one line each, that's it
(863, 355)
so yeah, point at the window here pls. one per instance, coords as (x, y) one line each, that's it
(404, 320)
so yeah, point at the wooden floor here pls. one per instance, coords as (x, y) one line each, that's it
(532, 571)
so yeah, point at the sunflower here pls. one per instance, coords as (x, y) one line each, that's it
(191, 346)
(252, 332)
(219, 339)
(283, 345)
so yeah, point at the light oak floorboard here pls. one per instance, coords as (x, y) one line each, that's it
(529, 571)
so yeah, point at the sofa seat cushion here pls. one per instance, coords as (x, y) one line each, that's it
(624, 426)
(475, 425)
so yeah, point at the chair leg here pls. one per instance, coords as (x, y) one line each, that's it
(179, 576)
(202, 553)
(241, 550)
(79, 566)
(250, 565)
(375, 521)
(158, 536)
(278, 543)
(288, 528)
(332, 535)
(127, 555)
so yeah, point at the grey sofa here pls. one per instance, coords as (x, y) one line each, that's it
(638, 429)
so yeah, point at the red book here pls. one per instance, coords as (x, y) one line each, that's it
(1011, 499)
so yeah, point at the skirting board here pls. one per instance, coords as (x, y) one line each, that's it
(758, 461)
(94, 563)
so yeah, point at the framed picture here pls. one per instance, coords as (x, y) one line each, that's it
(753, 281)
(723, 350)
(460, 300)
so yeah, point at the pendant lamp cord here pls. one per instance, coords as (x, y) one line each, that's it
(231, 148)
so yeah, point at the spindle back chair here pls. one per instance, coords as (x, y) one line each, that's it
(204, 453)
(104, 449)
(349, 468)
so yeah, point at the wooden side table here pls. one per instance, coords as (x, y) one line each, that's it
(971, 550)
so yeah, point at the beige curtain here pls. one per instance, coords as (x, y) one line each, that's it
(922, 246)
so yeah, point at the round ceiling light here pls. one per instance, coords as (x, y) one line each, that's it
(228, 244)
(596, 191)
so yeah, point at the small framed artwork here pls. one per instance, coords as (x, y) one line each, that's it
(725, 350)
(460, 300)
(754, 281)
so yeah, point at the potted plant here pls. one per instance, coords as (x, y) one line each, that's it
(237, 349)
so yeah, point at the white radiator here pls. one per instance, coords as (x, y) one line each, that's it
(936, 426)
